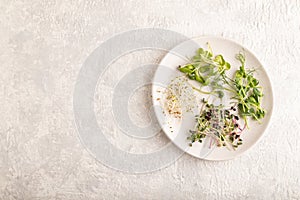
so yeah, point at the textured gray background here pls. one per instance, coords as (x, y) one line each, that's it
(42, 47)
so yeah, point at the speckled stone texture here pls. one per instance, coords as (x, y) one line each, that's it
(42, 47)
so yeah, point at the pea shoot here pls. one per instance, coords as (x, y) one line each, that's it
(248, 92)
(208, 70)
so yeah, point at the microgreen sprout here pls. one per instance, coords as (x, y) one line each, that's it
(208, 70)
(220, 124)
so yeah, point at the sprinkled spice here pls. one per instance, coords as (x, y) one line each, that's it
(179, 96)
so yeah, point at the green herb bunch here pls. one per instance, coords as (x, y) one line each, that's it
(248, 92)
(209, 70)
(219, 123)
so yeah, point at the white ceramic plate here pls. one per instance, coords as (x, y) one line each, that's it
(178, 129)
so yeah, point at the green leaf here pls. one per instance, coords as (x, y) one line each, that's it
(203, 53)
(191, 67)
(192, 76)
(238, 74)
(200, 51)
(219, 59)
(242, 108)
(257, 92)
(251, 99)
(251, 110)
(199, 78)
(255, 82)
(206, 82)
(242, 71)
(227, 66)
(185, 70)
